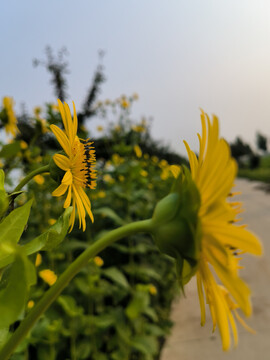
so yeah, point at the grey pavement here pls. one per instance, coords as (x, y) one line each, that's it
(190, 341)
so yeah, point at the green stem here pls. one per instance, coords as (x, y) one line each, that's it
(31, 175)
(81, 261)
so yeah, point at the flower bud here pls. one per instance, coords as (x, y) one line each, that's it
(176, 226)
(4, 201)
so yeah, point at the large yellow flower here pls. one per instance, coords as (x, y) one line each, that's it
(78, 164)
(11, 125)
(222, 240)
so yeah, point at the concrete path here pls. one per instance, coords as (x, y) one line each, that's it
(190, 341)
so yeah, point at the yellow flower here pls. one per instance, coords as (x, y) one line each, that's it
(135, 96)
(154, 159)
(108, 179)
(38, 260)
(51, 221)
(137, 151)
(143, 173)
(30, 304)
(98, 261)
(11, 126)
(124, 103)
(152, 289)
(39, 179)
(138, 128)
(101, 194)
(48, 276)
(222, 241)
(78, 164)
(37, 111)
(100, 128)
(23, 145)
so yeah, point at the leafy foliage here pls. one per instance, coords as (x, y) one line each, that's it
(118, 307)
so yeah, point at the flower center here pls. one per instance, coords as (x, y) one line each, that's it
(89, 162)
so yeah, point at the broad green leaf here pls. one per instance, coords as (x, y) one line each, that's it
(137, 305)
(10, 150)
(14, 296)
(117, 276)
(3, 335)
(52, 237)
(11, 228)
(69, 305)
(145, 344)
(46, 241)
(108, 212)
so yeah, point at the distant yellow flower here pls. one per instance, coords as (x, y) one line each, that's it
(55, 107)
(101, 194)
(30, 304)
(51, 221)
(48, 276)
(135, 96)
(138, 128)
(121, 178)
(117, 159)
(152, 289)
(107, 102)
(100, 128)
(11, 126)
(23, 145)
(39, 179)
(78, 164)
(37, 111)
(124, 103)
(154, 159)
(108, 178)
(222, 241)
(138, 151)
(38, 261)
(143, 173)
(98, 261)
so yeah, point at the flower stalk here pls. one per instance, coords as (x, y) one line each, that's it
(28, 177)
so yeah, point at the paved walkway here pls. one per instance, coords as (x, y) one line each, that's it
(190, 341)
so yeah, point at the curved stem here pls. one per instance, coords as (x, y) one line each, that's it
(81, 261)
(31, 175)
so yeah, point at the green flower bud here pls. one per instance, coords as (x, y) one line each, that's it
(4, 200)
(176, 226)
(55, 172)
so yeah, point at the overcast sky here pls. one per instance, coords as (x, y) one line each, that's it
(177, 55)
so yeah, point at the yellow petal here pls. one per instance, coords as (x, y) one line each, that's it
(68, 198)
(62, 188)
(236, 237)
(62, 162)
(62, 139)
(67, 179)
(201, 298)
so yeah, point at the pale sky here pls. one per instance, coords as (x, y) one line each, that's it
(177, 55)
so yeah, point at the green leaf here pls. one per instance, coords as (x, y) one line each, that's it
(10, 150)
(46, 241)
(52, 237)
(11, 228)
(137, 305)
(108, 212)
(69, 305)
(145, 344)
(117, 276)
(14, 296)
